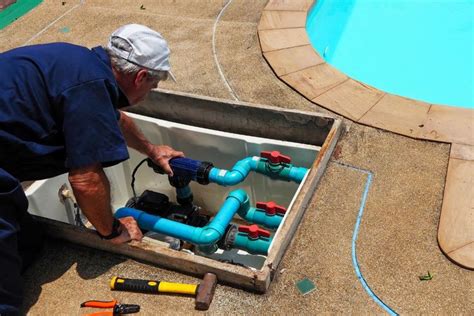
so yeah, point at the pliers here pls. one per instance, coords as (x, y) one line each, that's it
(118, 309)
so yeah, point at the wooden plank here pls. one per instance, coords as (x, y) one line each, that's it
(287, 231)
(151, 251)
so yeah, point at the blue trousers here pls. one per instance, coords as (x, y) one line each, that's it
(20, 241)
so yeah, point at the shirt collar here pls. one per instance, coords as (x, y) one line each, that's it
(104, 57)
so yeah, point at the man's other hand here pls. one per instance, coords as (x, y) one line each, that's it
(130, 231)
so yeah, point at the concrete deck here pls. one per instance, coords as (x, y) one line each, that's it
(286, 47)
(397, 240)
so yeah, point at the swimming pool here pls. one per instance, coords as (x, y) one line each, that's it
(421, 49)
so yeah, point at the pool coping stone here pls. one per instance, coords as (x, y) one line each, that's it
(285, 48)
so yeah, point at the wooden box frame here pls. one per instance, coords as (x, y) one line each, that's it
(236, 117)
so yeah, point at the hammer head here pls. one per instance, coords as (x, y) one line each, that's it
(205, 292)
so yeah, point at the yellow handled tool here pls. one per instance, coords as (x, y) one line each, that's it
(203, 292)
(152, 286)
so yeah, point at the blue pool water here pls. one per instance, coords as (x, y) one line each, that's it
(421, 49)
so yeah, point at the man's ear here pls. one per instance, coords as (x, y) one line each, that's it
(141, 77)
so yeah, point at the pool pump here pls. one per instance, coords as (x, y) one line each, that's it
(185, 170)
(183, 221)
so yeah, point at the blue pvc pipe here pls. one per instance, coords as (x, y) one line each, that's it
(151, 222)
(227, 211)
(258, 216)
(243, 167)
(297, 174)
(254, 246)
(238, 173)
(207, 235)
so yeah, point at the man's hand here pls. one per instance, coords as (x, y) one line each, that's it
(135, 139)
(130, 231)
(161, 155)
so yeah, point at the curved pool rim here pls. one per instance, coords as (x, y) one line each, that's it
(287, 49)
(415, 56)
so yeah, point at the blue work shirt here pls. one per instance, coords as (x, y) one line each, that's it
(58, 110)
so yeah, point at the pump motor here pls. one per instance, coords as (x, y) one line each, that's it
(159, 204)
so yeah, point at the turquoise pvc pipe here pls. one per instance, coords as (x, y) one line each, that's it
(207, 235)
(297, 174)
(227, 211)
(254, 246)
(156, 223)
(283, 172)
(258, 216)
(238, 173)
(243, 167)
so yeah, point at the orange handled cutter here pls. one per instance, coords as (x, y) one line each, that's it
(117, 309)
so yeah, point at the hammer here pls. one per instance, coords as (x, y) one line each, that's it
(204, 292)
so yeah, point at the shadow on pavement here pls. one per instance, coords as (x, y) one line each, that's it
(55, 259)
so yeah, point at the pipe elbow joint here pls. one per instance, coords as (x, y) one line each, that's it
(225, 178)
(143, 219)
(128, 211)
(208, 236)
(246, 165)
(233, 177)
(240, 195)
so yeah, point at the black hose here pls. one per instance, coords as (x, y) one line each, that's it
(133, 177)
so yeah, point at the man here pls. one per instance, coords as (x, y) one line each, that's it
(59, 113)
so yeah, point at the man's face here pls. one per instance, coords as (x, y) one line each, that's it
(141, 86)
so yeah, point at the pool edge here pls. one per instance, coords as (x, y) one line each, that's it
(279, 36)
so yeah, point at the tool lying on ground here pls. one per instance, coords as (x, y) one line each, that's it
(204, 292)
(117, 309)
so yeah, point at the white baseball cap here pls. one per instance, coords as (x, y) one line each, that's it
(149, 49)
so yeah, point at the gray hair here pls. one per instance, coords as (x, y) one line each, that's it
(126, 67)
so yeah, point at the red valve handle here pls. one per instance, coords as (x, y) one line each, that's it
(254, 231)
(271, 208)
(275, 156)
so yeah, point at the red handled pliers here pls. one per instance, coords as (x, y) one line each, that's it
(117, 309)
